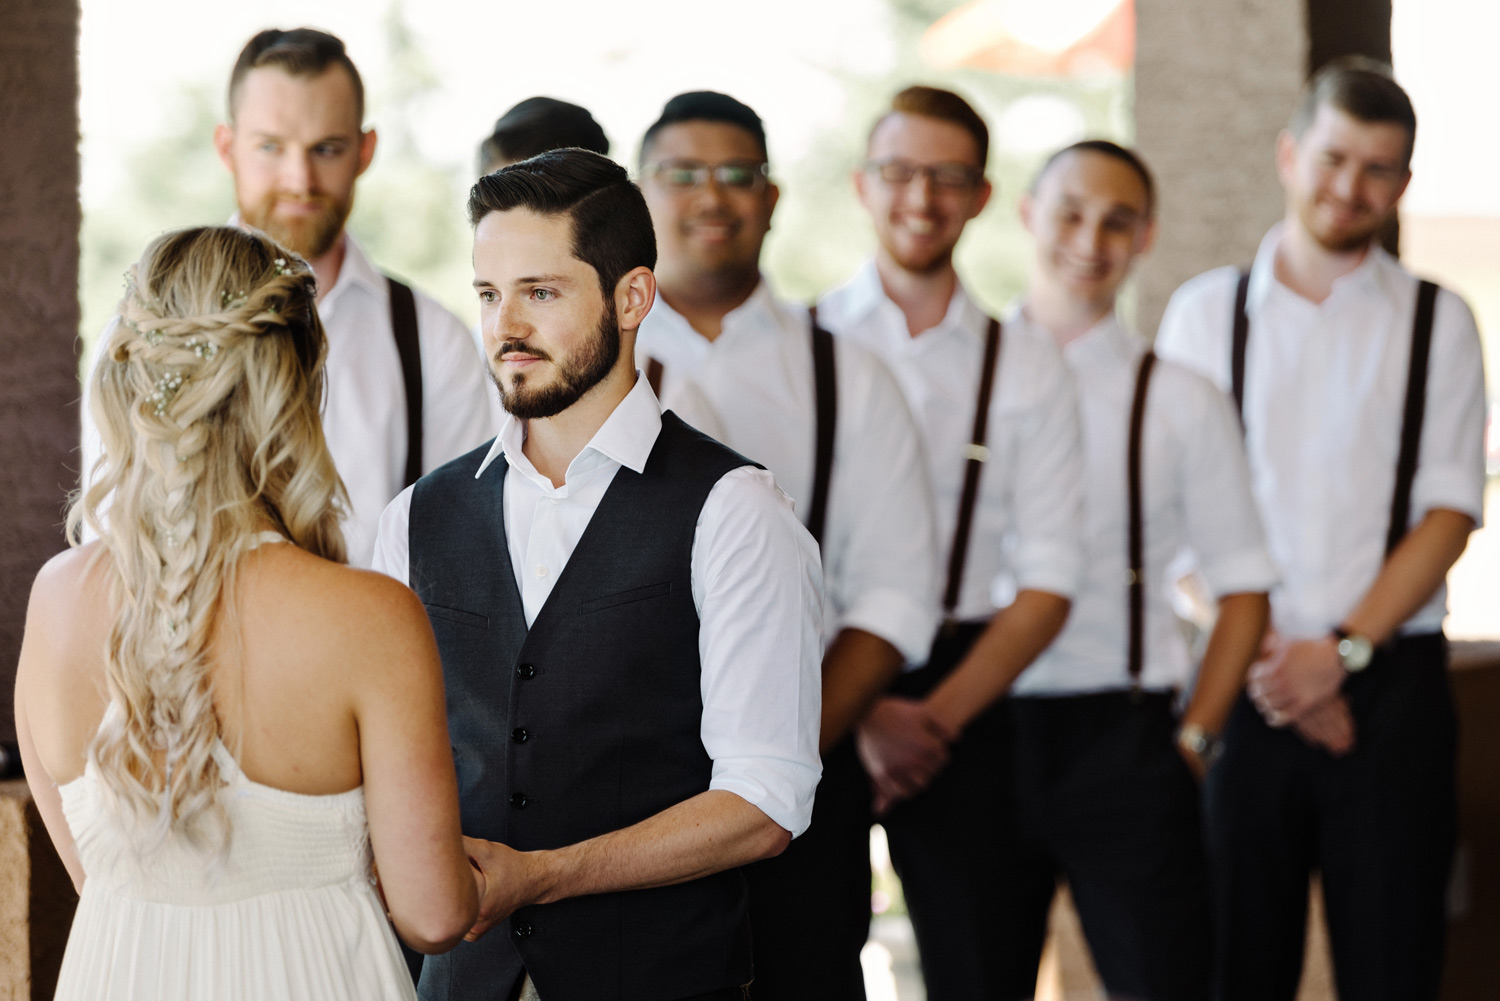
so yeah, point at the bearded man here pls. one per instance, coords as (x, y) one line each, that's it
(629, 616)
(1361, 392)
(405, 392)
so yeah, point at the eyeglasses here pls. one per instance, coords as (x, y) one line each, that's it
(742, 175)
(948, 176)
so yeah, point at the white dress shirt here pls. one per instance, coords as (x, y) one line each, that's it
(1028, 518)
(1325, 387)
(1195, 493)
(757, 586)
(752, 388)
(364, 412)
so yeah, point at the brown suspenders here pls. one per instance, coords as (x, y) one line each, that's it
(408, 347)
(825, 387)
(1412, 414)
(1136, 578)
(975, 456)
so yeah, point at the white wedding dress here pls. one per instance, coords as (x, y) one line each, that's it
(291, 913)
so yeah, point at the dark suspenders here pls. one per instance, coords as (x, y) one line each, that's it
(826, 390)
(825, 387)
(1412, 414)
(1137, 575)
(404, 327)
(975, 456)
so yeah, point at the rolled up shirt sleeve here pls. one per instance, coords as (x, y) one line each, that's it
(758, 587)
(1450, 466)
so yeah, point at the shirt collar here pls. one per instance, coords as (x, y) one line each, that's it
(1378, 272)
(626, 437)
(1107, 343)
(760, 312)
(867, 297)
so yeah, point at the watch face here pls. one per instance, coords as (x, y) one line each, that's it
(1356, 652)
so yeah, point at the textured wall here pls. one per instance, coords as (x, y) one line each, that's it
(1214, 83)
(39, 219)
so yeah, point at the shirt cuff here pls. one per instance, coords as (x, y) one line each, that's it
(782, 790)
(906, 624)
(1248, 571)
(1451, 488)
(1055, 569)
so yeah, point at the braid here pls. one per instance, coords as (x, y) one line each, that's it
(207, 401)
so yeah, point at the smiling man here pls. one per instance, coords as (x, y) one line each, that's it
(829, 421)
(998, 421)
(1103, 793)
(405, 392)
(1362, 397)
(629, 617)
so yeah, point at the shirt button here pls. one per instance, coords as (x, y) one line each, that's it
(519, 735)
(518, 800)
(526, 672)
(522, 930)
(541, 571)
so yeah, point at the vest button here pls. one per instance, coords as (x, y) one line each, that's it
(526, 671)
(518, 800)
(522, 930)
(519, 735)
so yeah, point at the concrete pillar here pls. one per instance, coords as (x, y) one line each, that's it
(39, 218)
(1214, 84)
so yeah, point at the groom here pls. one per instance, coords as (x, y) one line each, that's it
(629, 620)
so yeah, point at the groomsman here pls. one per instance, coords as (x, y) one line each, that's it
(998, 422)
(829, 421)
(1103, 766)
(1361, 390)
(629, 619)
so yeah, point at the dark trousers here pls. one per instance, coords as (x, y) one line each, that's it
(1379, 823)
(1102, 798)
(810, 906)
(946, 842)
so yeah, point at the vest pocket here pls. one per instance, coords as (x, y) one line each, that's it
(457, 615)
(625, 597)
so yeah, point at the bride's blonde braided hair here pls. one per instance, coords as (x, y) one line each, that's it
(207, 398)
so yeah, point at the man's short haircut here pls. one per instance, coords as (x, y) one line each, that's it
(945, 106)
(1361, 88)
(539, 124)
(707, 106)
(612, 230)
(1114, 151)
(298, 52)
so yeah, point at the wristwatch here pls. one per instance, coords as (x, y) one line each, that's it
(1355, 651)
(1204, 745)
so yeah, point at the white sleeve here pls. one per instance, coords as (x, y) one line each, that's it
(1047, 481)
(1196, 326)
(393, 540)
(1223, 524)
(881, 568)
(1450, 473)
(456, 414)
(758, 587)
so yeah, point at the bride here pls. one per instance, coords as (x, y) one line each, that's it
(221, 723)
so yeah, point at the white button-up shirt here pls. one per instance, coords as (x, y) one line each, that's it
(753, 389)
(1028, 519)
(364, 411)
(1195, 494)
(1325, 388)
(756, 582)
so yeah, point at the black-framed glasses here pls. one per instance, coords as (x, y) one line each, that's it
(742, 175)
(948, 176)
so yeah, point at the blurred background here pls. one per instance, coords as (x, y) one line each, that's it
(151, 79)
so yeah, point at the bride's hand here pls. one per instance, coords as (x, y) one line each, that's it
(502, 878)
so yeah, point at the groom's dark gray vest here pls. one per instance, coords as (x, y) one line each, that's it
(586, 723)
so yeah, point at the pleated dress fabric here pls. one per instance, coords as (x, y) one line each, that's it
(290, 913)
